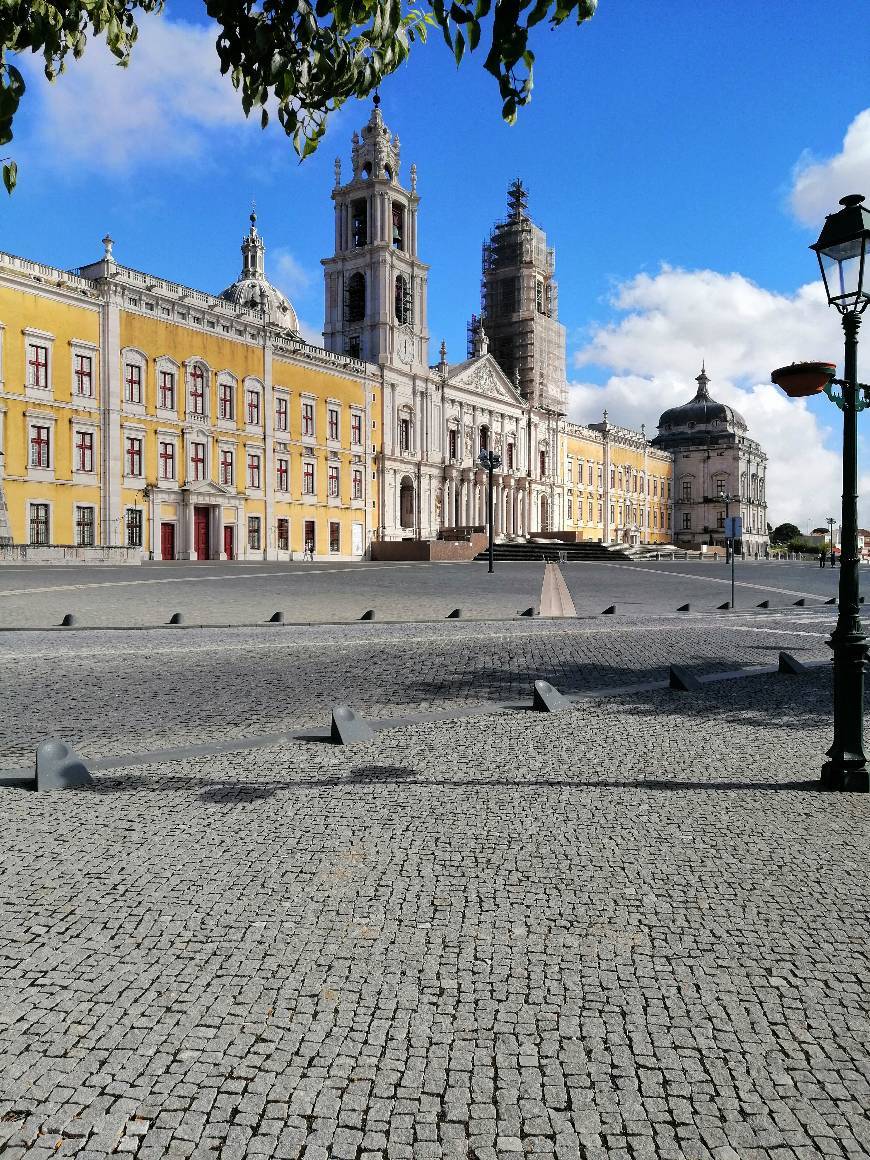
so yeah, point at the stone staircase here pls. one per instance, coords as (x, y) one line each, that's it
(582, 550)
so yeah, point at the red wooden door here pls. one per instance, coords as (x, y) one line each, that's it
(200, 533)
(167, 541)
(229, 544)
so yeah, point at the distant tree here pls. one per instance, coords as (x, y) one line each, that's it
(306, 56)
(782, 533)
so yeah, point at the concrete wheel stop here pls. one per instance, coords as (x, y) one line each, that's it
(276, 618)
(791, 665)
(58, 766)
(682, 680)
(68, 620)
(348, 727)
(369, 614)
(547, 698)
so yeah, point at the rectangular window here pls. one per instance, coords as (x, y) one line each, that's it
(37, 366)
(84, 451)
(398, 226)
(687, 520)
(358, 224)
(282, 472)
(655, 488)
(601, 513)
(509, 457)
(404, 434)
(542, 463)
(133, 383)
(356, 429)
(253, 408)
(332, 481)
(333, 423)
(166, 458)
(133, 457)
(590, 474)
(84, 527)
(40, 447)
(453, 444)
(254, 533)
(197, 391)
(720, 486)
(197, 461)
(166, 390)
(227, 466)
(357, 483)
(308, 479)
(134, 527)
(720, 521)
(353, 347)
(687, 491)
(254, 471)
(612, 515)
(334, 537)
(307, 418)
(283, 535)
(570, 470)
(613, 477)
(570, 508)
(226, 401)
(308, 537)
(39, 523)
(84, 375)
(590, 511)
(281, 415)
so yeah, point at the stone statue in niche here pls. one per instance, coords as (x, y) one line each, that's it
(469, 440)
(438, 505)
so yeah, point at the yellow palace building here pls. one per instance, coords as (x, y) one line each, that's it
(139, 417)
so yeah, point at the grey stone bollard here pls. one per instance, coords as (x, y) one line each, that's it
(791, 665)
(682, 680)
(547, 698)
(60, 767)
(684, 608)
(68, 620)
(348, 727)
(276, 618)
(456, 614)
(176, 618)
(369, 614)
(609, 611)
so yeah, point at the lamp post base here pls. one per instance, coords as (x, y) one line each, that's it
(845, 775)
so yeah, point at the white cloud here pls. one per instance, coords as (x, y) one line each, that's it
(290, 276)
(162, 109)
(675, 319)
(817, 186)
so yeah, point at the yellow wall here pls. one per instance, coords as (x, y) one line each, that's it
(67, 316)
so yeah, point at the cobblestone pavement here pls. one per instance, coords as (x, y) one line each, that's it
(632, 931)
(115, 692)
(250, 593)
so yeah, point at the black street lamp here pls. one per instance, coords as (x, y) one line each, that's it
(842, 250)
(729, 540)
(830, 521)
(490, 461)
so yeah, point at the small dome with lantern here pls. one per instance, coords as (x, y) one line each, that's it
(253, 291)
(701, 413)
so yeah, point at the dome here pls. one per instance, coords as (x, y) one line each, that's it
(253, 291)
(701, 411)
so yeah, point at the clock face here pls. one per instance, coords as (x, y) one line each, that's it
(406, 347)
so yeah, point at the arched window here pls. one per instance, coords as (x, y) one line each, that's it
(355, 298)
(403, 300)
(484, 438)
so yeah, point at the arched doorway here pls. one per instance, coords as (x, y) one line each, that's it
(545, 514)
(406, 502)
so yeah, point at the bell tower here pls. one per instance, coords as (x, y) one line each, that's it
(376, 287)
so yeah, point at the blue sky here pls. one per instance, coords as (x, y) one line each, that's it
(681, 158)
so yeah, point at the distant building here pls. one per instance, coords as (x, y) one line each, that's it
(714, 457)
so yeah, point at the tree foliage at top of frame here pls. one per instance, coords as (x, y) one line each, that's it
(303, 59)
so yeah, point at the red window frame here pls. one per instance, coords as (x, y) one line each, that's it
(253, 408)
(308, 479)
(254, 471)
(333, 423)
(332, 484)
(133, 383)
(166, 456)
(84, 375)
(283, 535)
(133, 455)
(197, 460)
(357, 483)
(282, 474)
(84, 451)
(226, 466)
(166, 391)
(197, 390)
(38, 360)
(281, 415)
(40, 446)
(226, 410)
(307, 418)
(356, 429)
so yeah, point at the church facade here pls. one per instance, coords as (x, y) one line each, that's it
(143, 415)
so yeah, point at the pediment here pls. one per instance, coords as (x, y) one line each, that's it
(205, 487)
(483, 376)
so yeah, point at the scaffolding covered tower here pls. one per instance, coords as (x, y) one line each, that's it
(520, 305)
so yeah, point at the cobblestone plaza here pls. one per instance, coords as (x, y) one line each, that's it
(632, 929)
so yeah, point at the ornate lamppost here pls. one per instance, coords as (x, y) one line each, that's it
(842, 251)
(490, 461)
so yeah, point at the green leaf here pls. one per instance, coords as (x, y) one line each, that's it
(10, 175)
(458, 45)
